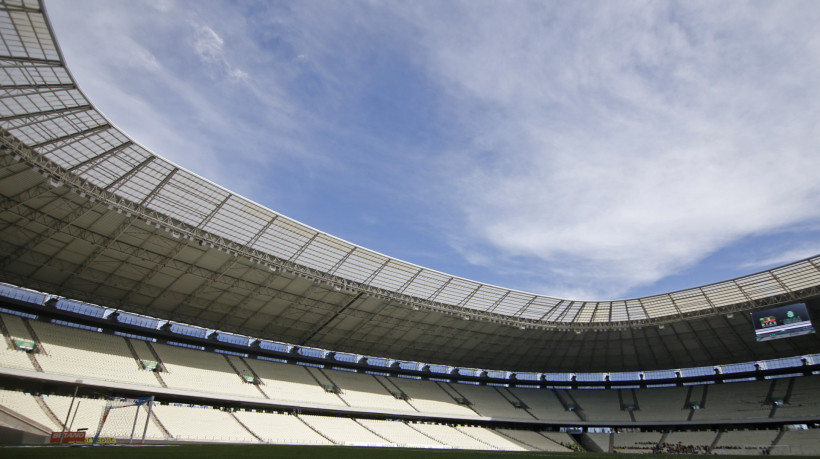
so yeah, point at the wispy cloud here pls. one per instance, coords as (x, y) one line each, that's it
(209, 47)
(581, 150)
(154, 67)
(800, 252)
(614, 144)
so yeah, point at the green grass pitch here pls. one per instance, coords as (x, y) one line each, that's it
(283, 451)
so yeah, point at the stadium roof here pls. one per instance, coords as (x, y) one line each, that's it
(90, 214)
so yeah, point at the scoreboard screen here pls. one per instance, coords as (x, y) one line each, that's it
(782, 322)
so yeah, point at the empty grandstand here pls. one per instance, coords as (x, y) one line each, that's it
(126, 275)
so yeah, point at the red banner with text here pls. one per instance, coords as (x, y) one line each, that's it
(68, 437)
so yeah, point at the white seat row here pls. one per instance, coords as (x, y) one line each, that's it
(205, 424)
(662, 404)
(429, 397)
(280, 428)
(345, 431)
(88, 354)
(202, 424)
(28, 406)
(291, 383)
(488, 401)
(600, 405)
(537, 441)
(799, 442)
(744, 442)
(400, 433)
(636, 442)
(544, 404)
(739, 400)
(451, 436)
(803, 400)
(365, 391)
(200, 371)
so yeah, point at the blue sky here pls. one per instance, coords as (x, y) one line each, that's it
(585, 150)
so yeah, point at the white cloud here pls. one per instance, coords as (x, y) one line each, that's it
(209, 46)
(141, 57)
(590, 147)
(615, 145)
(800, 252)
(152, 87)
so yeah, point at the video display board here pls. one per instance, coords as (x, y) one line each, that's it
(782, 322)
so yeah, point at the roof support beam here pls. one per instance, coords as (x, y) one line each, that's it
(467, 298)
(129, 250)
(24, 196)
(130, 173)
(594, 311)
(100, 156)
(578, 311)
(501, 300)
(6, 158)
(16, 91)
(745, 295)
(655, 363)
(439, 290)
(24, 9)
(209, 281)
(674, 305)
(73, 137)
(98, 250)
(549, 311)
(147, 199)
(657, 331)
(270, 276)
(149, 276)
(341, 261)
(46, 113)
(701, 346)
(781, 284)
(262, 231)
(566, 311)
(214, 211)
(409, 282)
(708, 300)
(31, 60)
(333, 317)
(41, 260)
(38, 87)
(375, 273)
(304, 246)
(59, 226)
(645, 312)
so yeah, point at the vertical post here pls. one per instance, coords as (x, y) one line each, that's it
(147, 418)
(73, 418)
(102, 422)
(65, 424)
(134, 427)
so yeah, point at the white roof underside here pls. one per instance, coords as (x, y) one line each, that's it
(60, 133)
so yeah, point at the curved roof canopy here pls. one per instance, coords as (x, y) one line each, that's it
(89, 213)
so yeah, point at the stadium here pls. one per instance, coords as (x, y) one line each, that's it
(142, 303)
